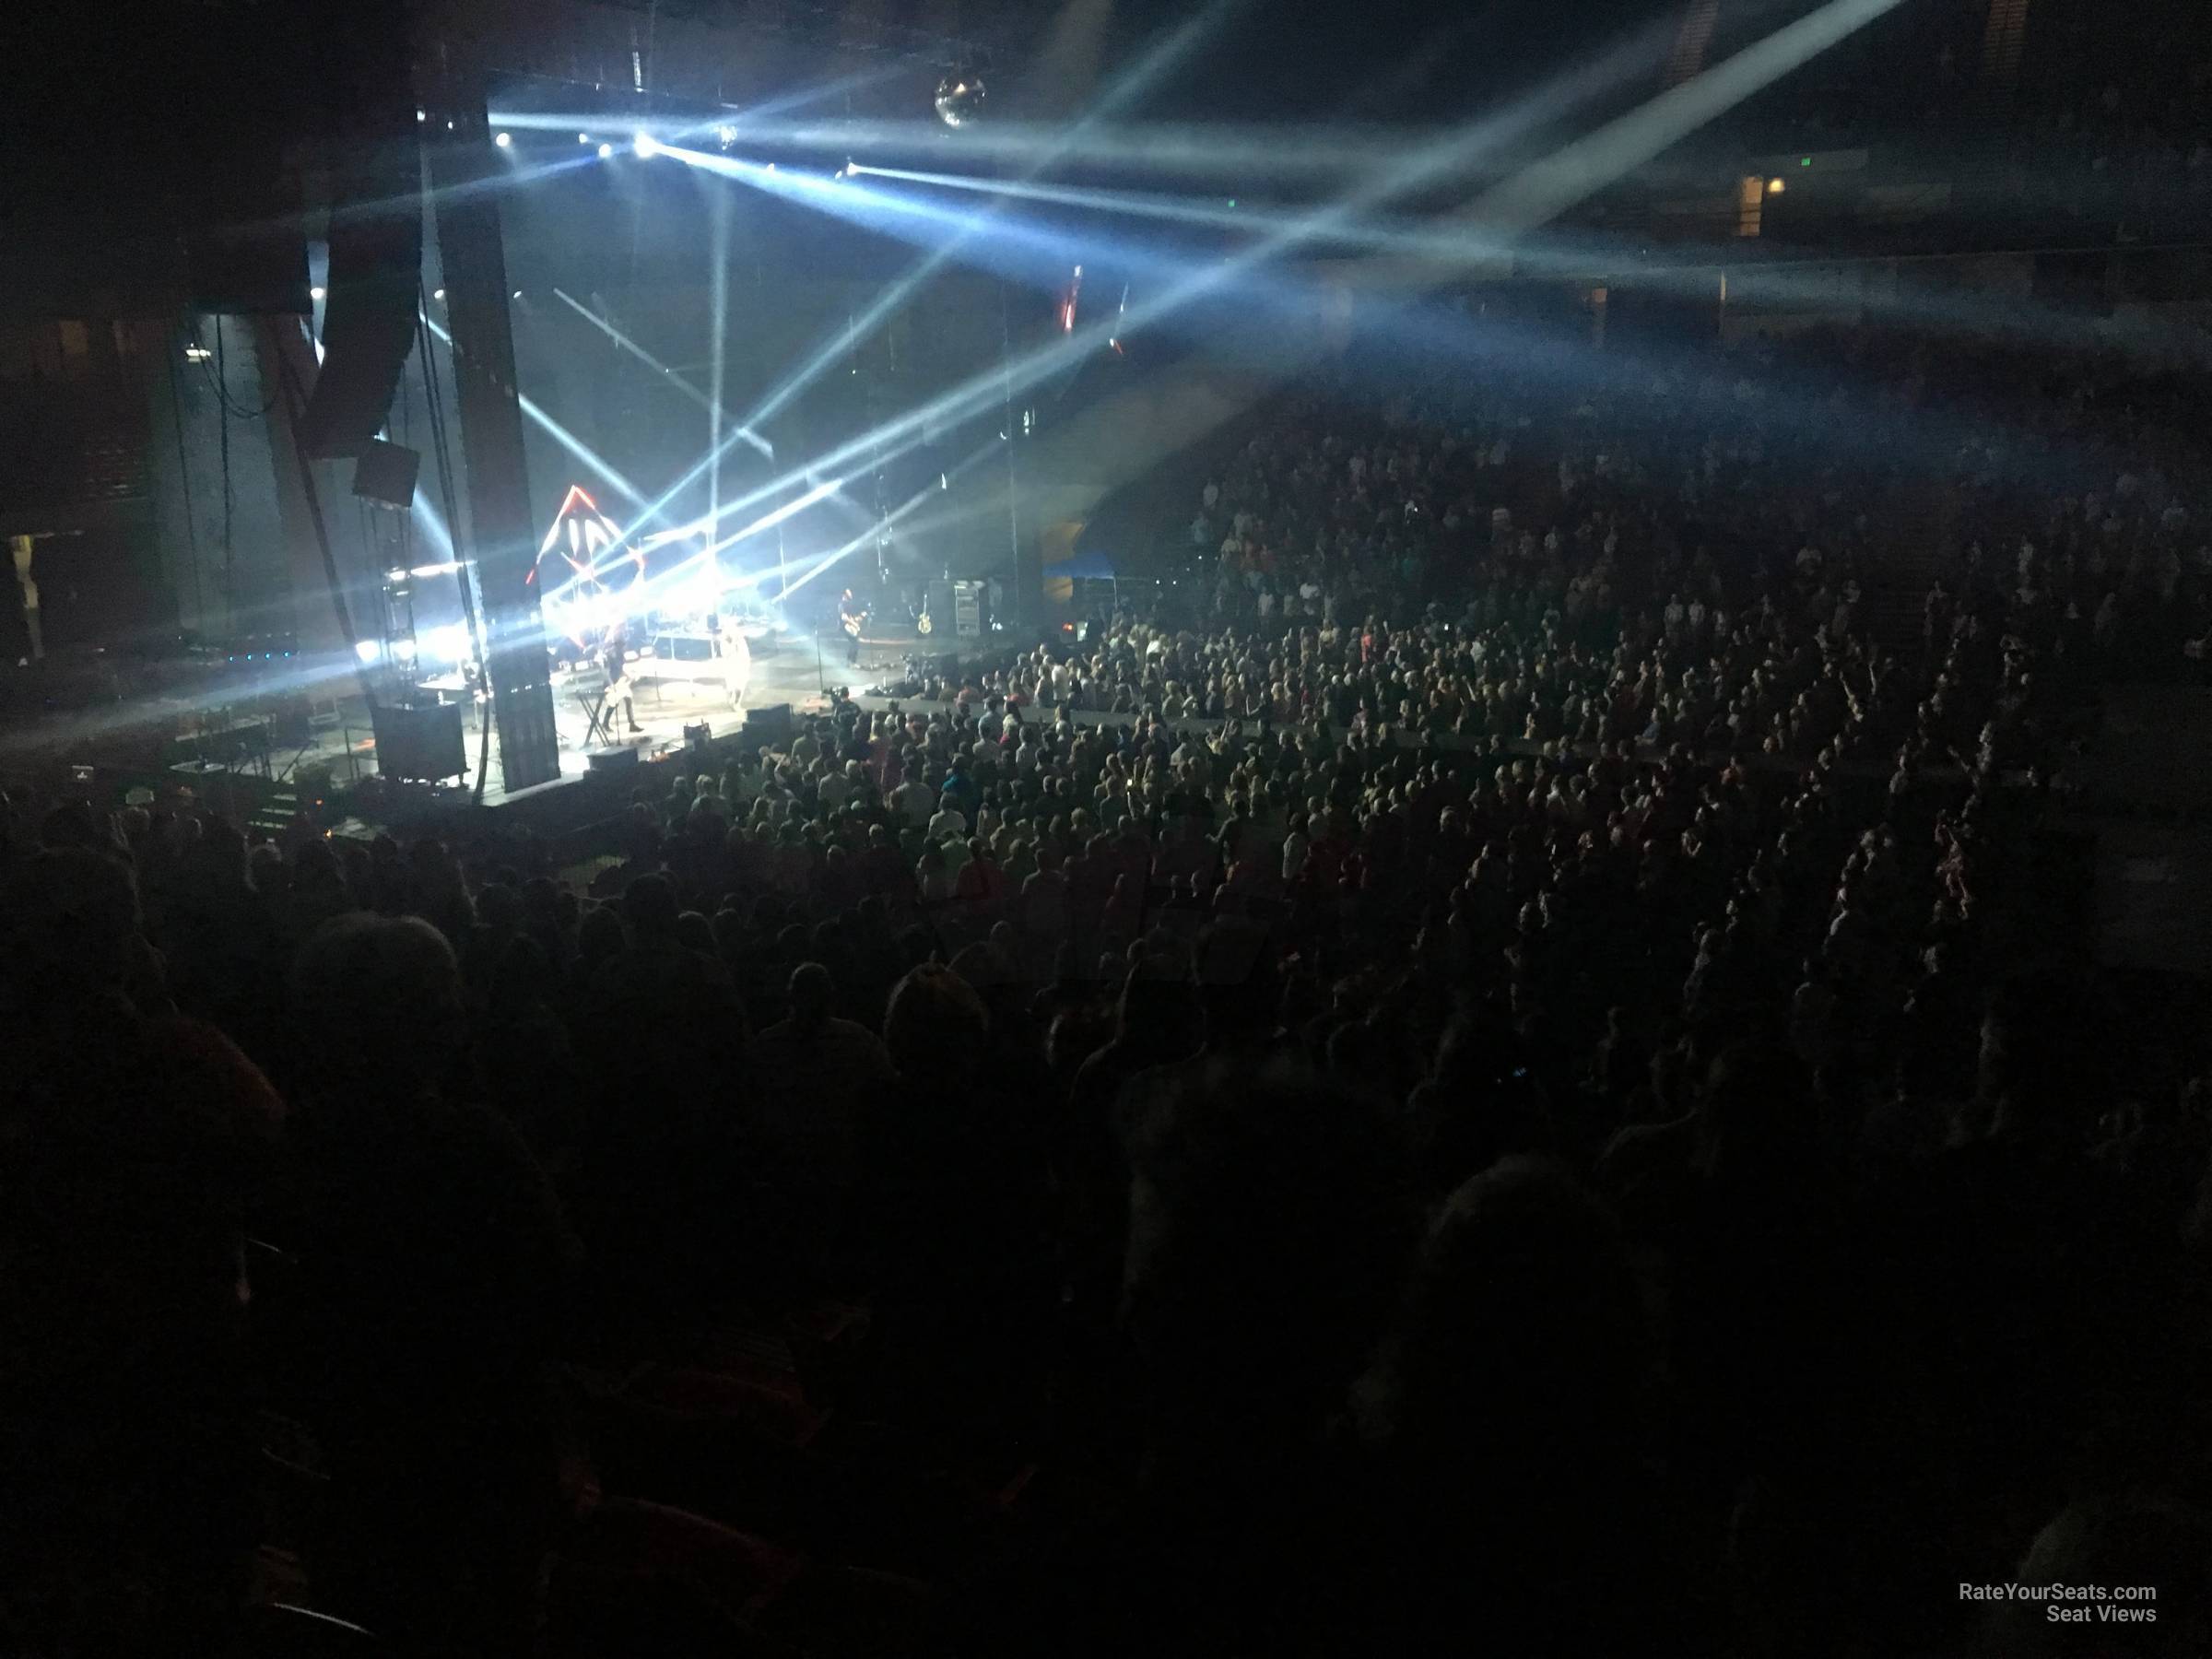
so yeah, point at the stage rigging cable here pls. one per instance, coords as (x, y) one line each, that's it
(295, 409)
(211, 366)
(192, 529)
(223, 416)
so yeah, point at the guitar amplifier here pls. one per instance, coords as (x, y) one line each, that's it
(420, 743)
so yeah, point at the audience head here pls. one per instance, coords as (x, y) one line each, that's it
(935, 1027)
(649, 910)
(69, 921)
(379, 1007)
(1261, 1241)
(811, 992)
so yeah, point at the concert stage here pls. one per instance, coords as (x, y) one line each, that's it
(783, 678)
(254, 745)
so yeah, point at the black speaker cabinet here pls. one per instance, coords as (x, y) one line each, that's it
(610, 760)
(375, 268)
(769, 723)
(385, 473)
(421, 743)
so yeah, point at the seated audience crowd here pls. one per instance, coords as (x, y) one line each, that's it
(1521, 1074)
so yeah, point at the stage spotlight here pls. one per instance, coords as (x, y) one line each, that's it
(960, 98)
(445, 644)
(437, 293)
(314, 293)
(368, 650)
(646, 144)
(503, 140)
(584, 137)
(422, 114)
(1775, 187)
(725, 136)
(606, 152)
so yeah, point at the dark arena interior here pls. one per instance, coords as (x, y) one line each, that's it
(1100, 829)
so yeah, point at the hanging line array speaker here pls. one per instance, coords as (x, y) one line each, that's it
(371, 289)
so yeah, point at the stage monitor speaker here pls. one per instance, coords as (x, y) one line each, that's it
(769, 723)
(698, 736)
(385, 474)
(610, 760)
(420, 743)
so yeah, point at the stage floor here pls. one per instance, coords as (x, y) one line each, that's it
(190, 723)
(788, 676)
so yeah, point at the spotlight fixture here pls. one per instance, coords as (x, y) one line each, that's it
(584, 137)
(959, 98)
(725, 136)
(503, 140)
(646, 144)
(606, 152)
(422, 114)
(518, 293)
(1775, 186)
(197, 353)
(437, 293)
(314, 293)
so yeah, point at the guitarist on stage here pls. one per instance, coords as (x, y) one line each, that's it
(620, 692)
(851, 615)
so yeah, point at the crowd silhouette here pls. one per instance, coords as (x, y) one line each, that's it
(1518, 1069)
